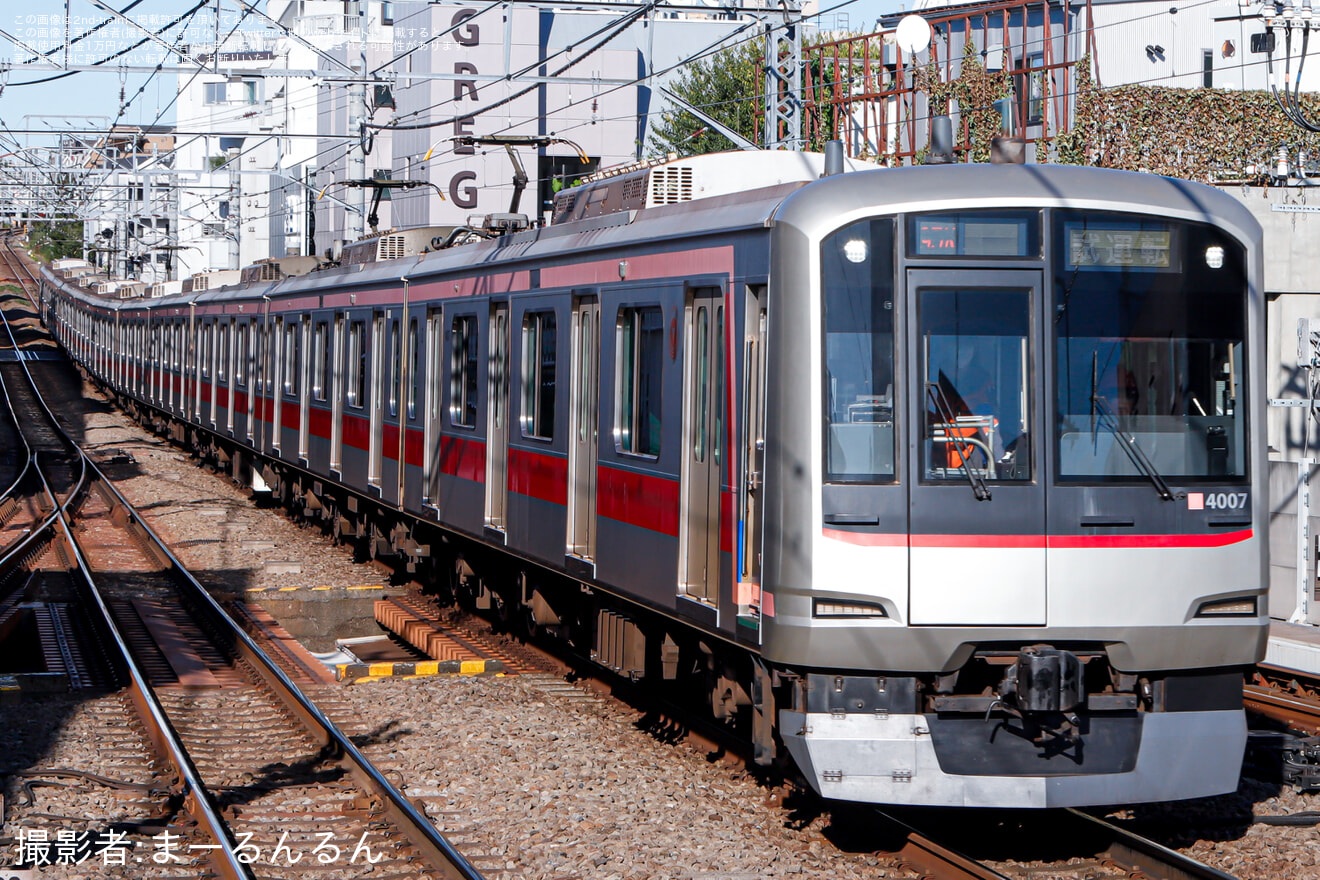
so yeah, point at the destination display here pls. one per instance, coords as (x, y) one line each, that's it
(1120, 248)
(974, 234)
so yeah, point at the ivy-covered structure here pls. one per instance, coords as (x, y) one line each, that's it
(1132, 84)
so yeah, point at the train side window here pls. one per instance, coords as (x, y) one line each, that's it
(857, 297)
(396, 367)
(321, 360)
(277, 355)
(240, 360)
(413, 366)
(538, 360)
(357, 364)
(207, 332)
(292, 358)
(253, 361)
(639, 364)
(265, 359)
(463, 372)
(222, 355)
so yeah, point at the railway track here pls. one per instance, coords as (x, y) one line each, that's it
(938, 844)
(21, 502)
(258, 782)
(1072, 845)
(17, 270)
(1285, 695)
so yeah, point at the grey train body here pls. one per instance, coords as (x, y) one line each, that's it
(945, 476)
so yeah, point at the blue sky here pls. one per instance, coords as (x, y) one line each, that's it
(40, 24)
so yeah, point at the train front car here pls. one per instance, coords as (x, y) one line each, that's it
(1015, 535)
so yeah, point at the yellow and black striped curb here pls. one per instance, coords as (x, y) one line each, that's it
(352, 673)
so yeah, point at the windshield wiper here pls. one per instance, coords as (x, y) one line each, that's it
(960, 443)
(1129, 444)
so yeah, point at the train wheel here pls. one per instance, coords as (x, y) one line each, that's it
(527, 623)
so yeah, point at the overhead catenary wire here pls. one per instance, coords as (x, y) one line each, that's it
(160, 114)
(715, 47)
(1068, 93)
(121, 53)
(615, 30)
(240, 113)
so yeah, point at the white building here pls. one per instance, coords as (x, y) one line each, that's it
(478, 71)
(338, 105)
(248, 187)
(132, 200)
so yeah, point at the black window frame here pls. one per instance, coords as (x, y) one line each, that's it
(396, 368)
(1034, 232)
(292, 356)
(628, 411)
(355, 386)
(321, 370)
(539, 384)
(464, 361)
(1182, 265)
(892, 306)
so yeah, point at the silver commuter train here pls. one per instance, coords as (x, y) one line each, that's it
(943, 477)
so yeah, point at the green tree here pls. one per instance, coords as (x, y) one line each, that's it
(730, 86)
(726, 86)
(56, 239)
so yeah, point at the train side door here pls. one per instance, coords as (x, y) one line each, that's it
(584, 419)
(435, 378)
(977, 494)
(304, 368)
(747, 594)
(278, 375)
(337, 392)
(497, 418)
(703, 422)
(377, 393)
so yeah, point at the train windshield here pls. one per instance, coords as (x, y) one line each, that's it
(858, 300)
(1149, 320)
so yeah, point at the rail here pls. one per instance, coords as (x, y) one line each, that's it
(16, 263)
(28, 481)
(1288, 696)
(1139, 857)
(1109, 851)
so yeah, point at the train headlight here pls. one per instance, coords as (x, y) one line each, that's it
(1214, 256)
(1238, 607)
(855, 250)
(835, 608)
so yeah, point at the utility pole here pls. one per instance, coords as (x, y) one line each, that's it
(783, 79)
(357, 121)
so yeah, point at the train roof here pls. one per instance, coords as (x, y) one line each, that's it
(828, 203)
(816, 206)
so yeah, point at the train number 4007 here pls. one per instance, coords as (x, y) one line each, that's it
(1226, 500)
